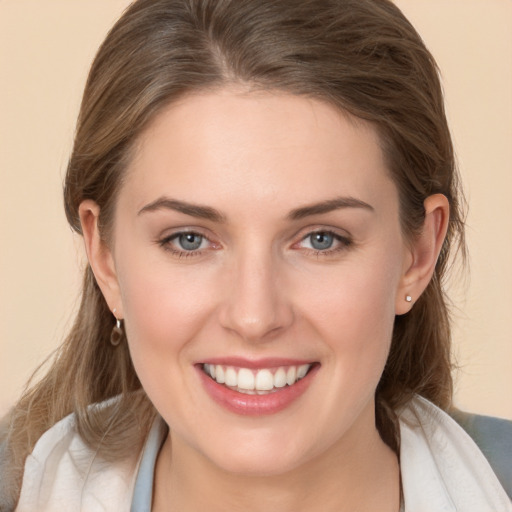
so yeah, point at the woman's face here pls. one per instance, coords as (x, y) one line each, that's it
(257, 238)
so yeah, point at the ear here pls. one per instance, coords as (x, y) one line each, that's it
(423, 253)
(100, 256)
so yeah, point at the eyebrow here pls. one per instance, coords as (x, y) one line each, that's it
(209, 213)
(328, 206)
(194, 210)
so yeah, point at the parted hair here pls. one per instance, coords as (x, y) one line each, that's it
(361, 56)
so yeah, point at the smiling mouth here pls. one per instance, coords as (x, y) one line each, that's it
(256, 381)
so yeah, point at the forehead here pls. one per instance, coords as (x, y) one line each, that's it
(231, 146)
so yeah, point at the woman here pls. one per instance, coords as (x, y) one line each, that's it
(268, 199)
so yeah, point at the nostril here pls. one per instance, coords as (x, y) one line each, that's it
(257, 323)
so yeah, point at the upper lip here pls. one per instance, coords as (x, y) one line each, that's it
(267, 362)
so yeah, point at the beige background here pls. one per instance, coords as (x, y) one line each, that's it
(46, 47)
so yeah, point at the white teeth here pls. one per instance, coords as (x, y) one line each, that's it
(264, 380)
(220, 376)
(291, 375)
(280, 378)
(302, 370)
(258, 382)
(247, 391)
(246, 379)
(210, 370)
(231, 377)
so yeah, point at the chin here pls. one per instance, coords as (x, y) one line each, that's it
(257, 457)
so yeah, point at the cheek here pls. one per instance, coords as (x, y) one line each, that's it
(163, 308)
(354, 310)
(164, 311)
(361, 294)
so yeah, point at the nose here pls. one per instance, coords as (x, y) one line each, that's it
(255, 305)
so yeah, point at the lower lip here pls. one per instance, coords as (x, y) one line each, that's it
(256, 405)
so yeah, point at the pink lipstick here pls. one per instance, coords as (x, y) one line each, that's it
(255, 388)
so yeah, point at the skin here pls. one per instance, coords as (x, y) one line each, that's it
(257, 288)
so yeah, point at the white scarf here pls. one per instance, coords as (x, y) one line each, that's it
(442, 470)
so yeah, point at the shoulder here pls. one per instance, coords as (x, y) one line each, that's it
(64, 473)
(442, 466)
(7, 496)
(494, 438)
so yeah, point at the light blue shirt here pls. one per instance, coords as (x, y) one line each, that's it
(143, 491)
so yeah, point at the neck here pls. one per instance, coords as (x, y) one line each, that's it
(358, 473)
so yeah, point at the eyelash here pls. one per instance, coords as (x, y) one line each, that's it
(166, 244)
(343, 243)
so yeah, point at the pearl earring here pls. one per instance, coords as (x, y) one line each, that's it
(408, 298)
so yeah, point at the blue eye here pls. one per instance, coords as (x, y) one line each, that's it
(321, 240)
(189, 241)
(324, 243)
(184, 244)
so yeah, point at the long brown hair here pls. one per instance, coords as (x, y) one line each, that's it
(361, 56)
